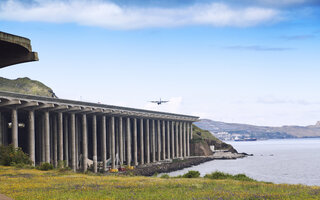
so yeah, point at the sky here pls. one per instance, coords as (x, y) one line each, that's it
(248, 61)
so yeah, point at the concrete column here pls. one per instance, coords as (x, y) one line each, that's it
(159, 139)
(141, 143)
(47, 136)
(73, 141)
(113, 143)
(55, 141)
(148, 140)
(177, 140)
(188, 139)
(180, 140)
(163, 141)
(191, 131)
(172, 140)
(168, 140)
(14, 127)
(153, 141)
(84, 143)
(43, 139)
(31, 137)
(104, 143)
(121, 141)
(66, 140)
(184, 140)
(94, 144)
(60, 133)
(1, 130)
(128, 142)
(135, 142)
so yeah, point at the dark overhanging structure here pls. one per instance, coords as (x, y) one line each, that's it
(84, 134)
(15, 49)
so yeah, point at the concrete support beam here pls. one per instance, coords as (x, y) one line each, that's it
(1, 130)
(31, 137)
(159, 139)
(188, 139)
(113, 143)
(172, 140)
(66, 140)
(148, 140)
(84, 143)
(73, 141)
(94, 144)
(184, 140)
(121, 140)
(14, 127)
(141, 143)
(128, 142)
(177, 140)
(168, 140)
(55, 141)
(135, 142)
(153, 141)
(104, 143)
(180, 140)
(163, 140)
(47, 136)
(60, 134)
(191, 131)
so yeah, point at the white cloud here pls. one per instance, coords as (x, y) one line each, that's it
(110, 15)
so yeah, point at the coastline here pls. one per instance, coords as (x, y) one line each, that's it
(178, 164)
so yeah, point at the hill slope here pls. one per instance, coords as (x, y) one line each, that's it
(259, 132)
(25, 86)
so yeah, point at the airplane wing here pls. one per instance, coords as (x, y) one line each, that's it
(154, 101)
(164, 101)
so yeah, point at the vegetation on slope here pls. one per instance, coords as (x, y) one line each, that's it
(25, 86)
(34, 184)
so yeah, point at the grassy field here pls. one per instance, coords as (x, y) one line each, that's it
(35, 184)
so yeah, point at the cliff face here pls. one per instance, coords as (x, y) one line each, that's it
(25, 86)
(203, 139)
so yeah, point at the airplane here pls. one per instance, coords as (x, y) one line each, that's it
(159, 102)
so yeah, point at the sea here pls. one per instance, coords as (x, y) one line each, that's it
(289, 161)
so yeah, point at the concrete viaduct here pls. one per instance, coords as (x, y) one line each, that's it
(85, 134)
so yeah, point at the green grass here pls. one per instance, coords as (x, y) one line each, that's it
(36, 184)
(221, 175)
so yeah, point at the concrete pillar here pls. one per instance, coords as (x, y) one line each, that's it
(31, 137)
(1, 130)
(128, 142)
(66, 140)
(168, 140)
(104, 143)
(135, 142)
(55, 141)
(163, 140)
(172, 140)
(188, 139)
(184, 140)
(60, 133)
(180, 140)
(73, 141)
(47, 136)
(159, 139)
(177, 140)
(121, 140)
(113, 143)
(191, 131)
(153, 141)
(94, 144)
(147, 140)
(141, 143)
(14, 127)
(43, 139)
(84, 143)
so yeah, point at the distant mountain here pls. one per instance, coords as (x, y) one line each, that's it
(227, 131)
(25, 86)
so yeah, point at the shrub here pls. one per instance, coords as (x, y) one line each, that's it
(191, 174)
(45, 166)
(10, 156)
(221, 175)
(165, 176)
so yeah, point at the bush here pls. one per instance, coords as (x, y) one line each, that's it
(191, 174)
(165, 176)
(45, 166)
(10, 156)
(221, 175)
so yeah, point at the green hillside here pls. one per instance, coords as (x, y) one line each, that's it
(25, 86)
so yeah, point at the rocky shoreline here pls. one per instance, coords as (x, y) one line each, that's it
(178, 164)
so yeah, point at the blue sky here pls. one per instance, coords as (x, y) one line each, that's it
(253, 62)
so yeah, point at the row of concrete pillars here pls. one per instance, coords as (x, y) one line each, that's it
(81, 140)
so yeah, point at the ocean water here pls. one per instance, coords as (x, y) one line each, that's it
(292, 161)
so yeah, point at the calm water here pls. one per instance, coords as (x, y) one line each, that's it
(294, 161)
